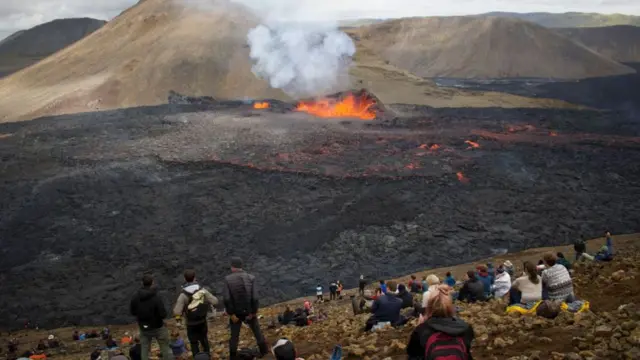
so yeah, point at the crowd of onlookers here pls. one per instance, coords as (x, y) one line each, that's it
(430, 300)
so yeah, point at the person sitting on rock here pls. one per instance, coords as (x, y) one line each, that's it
(440, 333)
(333, 290)
(432, 283)
(178, 346)
(472, 290)
(135, 353)
(283, 349)
(449, 279)
(485, 278)
(527, 288)
(93, 334)
(556, 280)
(41, 346)
(83, 336)
(405, 296)
(491, 270)
(508, 266)
(126, 339)
(386, 309)
(362, 284)
(76, 335)
(502, 284)
(308, 307)
(286, 317)
(383, 287)
(52, 342)
(563, 261)
(110, 343)
(425, 285)
(414, 285)
(319, 293)
(300, 318)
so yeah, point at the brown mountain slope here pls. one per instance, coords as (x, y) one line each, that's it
(483, 47)
(137, 58)
(621, 43)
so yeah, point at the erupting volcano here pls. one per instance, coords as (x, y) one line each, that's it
(352, 106)
(261, 105)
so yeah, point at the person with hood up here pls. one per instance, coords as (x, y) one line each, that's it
(150, 313)
(333, 290)
(432, 282)
(485, 278)
(502, 284)
(449, 279)
(193, 304)
(362, 284)
(405, 296)
(472, 290)
(242, 304)
(440, 333)
(386, 309)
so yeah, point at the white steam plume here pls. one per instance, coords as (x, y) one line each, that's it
(301, 56)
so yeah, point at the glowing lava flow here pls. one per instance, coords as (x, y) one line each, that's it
(463, 179)
(472, 144)
(261, 105)
(350, 106)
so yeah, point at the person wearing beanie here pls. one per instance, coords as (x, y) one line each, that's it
(241, 303)
(508, 266)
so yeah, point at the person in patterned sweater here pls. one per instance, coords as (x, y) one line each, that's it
(557, 280)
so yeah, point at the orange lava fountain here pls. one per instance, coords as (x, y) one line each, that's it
(350, 106)
(463, 179)
(261, 105)
(473, 144)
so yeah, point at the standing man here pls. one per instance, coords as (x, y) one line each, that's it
(194, 303)
(150, 313)
(362, 284)
(241, 303)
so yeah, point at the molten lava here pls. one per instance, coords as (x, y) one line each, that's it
(434, 147)
(472, 144)
(463, 179)
(261, 105)
(350, 106)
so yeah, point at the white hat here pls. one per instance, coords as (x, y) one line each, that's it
(508, 263)
(51, 337)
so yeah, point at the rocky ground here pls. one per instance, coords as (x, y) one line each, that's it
(610, 330)
(92, 201)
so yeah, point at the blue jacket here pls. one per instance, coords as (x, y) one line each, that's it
(449, 280)
(486, 282)
(387, 308)
(606, 255)
(383, 287)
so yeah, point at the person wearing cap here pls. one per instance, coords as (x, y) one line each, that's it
(508, 266)
(52, 342)
(283, 349)
(242, 304)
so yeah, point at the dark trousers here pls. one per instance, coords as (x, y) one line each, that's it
(361, 290)
(332, 295)
(197, 335)
(515, 296)
(254, 325)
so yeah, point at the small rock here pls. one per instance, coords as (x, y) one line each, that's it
(618, 275)
(628, 325)
(535, 355)
(545, 340)
(572, 356)
(587, 354)
(603, 331)
(499, 342)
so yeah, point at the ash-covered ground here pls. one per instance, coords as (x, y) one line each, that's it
(91, 201)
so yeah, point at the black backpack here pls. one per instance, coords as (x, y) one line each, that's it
(441, 346)
(198, 313)
(579, 246)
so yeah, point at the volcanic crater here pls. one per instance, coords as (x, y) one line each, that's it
(305, 192)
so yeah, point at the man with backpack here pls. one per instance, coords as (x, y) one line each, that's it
(193, 304)
(241, 303)
(149, 310)
(580, 246)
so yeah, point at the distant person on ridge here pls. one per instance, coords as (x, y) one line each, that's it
(333, 290)
(362, 284)
(450, 280)
(150, 312)
(319, 293)
(383, 287)
(242, 304)
(194, 303)
(580, 247)
(340, 289)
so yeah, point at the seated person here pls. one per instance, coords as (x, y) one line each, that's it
(508, 266)
(300, 318)
(126, 339)
(135, 353)
(52, 342)
(386, 309)
(105, 333)
(449, 279)
(485, 278)
(472, 290)
(76, 335)
(556, 280)
(527, 288)
(41, 346)
(563, 261)
(405, 296)
(93, 334)
(177, 345)
(110, 343)
(440, 333)
(502, 284)
(286, 317)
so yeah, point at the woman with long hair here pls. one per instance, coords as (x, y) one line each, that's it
(528, 287)
(440, 332)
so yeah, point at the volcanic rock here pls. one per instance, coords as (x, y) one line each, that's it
(618, 275)
(620, 42)
(177, 98)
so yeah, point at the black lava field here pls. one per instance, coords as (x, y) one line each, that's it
(92, 201)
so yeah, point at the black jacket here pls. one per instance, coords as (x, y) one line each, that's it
(451, 326)
(407, 299)
(135, 353)
(472, 291)
(240, 297)
(148, 309)
(387, 308)
(362, 284)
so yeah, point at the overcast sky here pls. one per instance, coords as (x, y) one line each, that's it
(22, 14)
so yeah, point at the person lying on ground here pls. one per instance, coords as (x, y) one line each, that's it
(485, 278)
(604, 254)
(440, 333)
(528, 287)
(432, 282)
(472, 290)
(386, 309)
(556, 280)
(286, 317)
(405, 296)
(449, 279)
(502, 284)
(563, 261)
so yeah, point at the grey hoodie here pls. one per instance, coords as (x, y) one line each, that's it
(183, 301)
